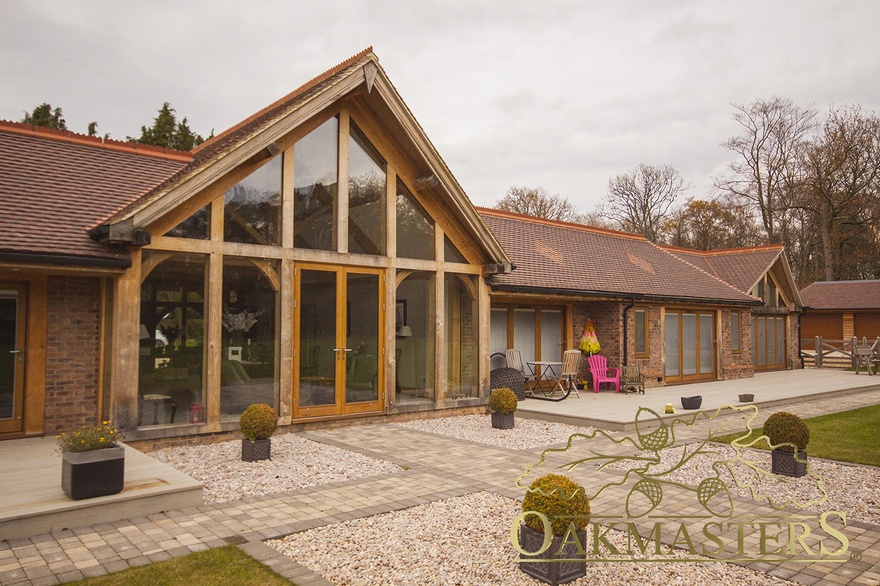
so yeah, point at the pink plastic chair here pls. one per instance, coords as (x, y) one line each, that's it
(602, 374)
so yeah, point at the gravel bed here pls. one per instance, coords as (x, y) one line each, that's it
(527, 434)
(851, 488)
(296, 463)
(465, 541)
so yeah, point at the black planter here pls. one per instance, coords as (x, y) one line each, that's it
(86, 475)
(551, 572)
(746, 398)
(786, 464)
(253, 451)
(692, 402)
(502, 420)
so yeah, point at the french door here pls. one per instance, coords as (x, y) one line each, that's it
(768, 342)
(12, 340)
(690, 345)
(339, 340)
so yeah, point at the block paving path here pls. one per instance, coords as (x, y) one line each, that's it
(435, 467)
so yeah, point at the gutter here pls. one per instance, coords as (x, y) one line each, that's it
(626, 309)
(590, 293)
(64, 260)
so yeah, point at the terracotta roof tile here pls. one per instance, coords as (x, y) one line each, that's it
(741, 267)
(842, 295)
(54, 185)
(557, 256)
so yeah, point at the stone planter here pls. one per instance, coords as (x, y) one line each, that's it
(786, 464)
(692, 402)
(253, 451)
(746, 398)
(85, 475)
(502, 420)
(551, 572)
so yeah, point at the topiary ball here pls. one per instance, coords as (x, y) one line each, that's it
(561, 499)
(503, 401)
(785, 427)
(259, 421)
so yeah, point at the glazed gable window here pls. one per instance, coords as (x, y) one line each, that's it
(315, 186)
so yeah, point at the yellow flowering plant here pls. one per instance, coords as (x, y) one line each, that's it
(89, 437)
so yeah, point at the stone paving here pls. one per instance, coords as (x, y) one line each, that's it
(436, 467)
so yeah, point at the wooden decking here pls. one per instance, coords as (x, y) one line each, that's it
(32, 501)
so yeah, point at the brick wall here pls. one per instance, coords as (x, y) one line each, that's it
(736, 365)
(608, 322)
(71, 353)
(650, 365)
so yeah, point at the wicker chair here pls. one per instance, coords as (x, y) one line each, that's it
(510, 378)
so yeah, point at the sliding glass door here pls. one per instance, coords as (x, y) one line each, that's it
(690, 345)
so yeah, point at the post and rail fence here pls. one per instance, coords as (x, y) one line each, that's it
(838, 353)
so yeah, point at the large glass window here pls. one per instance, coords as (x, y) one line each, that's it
(414, 353)
(641, 319)
(673, 348)
(172, 337)
(498, 337)
(461, 337)
(248, 363)
(366, 196)
(415, 228)
(315, 187)
(735, 336)
(551, 335)
(252, 210)
(196, 227)
(524, 328)
(451, 252)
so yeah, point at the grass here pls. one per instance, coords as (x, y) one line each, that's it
(222, 566)
(850, 436)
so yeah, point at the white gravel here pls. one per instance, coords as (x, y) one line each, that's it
(296, 463)
(527, 434)
(465, 541)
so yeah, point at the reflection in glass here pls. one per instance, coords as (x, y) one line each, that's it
(196, 227)
(366, 196)
(524, 333)
(317, 359)
(362, 363)
(247, 364)
(414, 354)
(461, 337)
(9, 336)
(671, 339)
(252, 209)
(707, 354)
(315, 187)
(551, 335)
(172, 337)
(498, 337)
(689, 343)
(641, 330)
(451, 253)
(415, 228)
(780, 341)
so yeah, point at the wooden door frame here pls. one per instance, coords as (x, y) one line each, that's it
(15, 424)
(698, 376)
(340, 407)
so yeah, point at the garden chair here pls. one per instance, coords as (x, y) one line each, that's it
(570, 362)
(602, 374)
(514, 360)
(632, 380)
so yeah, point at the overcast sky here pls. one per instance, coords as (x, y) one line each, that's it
(558, 94)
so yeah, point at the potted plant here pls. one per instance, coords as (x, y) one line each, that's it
(565, 511)
(786, 431)
(92, 461)
(502, 404)
(257, 424)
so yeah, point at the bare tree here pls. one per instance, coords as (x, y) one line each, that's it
(766, 173)
(535, 201)
(638, 200)
(710, 225)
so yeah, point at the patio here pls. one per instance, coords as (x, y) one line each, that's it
(616, 411)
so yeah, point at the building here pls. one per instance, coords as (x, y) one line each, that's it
(841, 310)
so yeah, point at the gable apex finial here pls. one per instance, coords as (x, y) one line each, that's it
(370, 71)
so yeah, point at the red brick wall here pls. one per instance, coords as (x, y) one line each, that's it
(651, 366)
(608, 322)
(736, 365)
(71, 353)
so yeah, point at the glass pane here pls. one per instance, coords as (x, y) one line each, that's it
(771, 338)
(415, 228)
(315, 187)
(197, 226)
(451, 253)
(762, 347)
(366, 196)
(771, 293)
(498, 336)
(707, 354)
(8, 347)
(641, 347)
(754, 341)
(461, 338)
(734, 331)
(249, 349)
(780, 341)
(673, 357)
(524, 334)
(317, 360)
(689, 343)
(172, 335)
(414, 354)
(252, 208)
(551, 335)
(362, 363)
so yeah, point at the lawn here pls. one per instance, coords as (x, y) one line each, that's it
(222, 566)
(849, 436)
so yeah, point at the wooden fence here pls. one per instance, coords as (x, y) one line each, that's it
(836, 353)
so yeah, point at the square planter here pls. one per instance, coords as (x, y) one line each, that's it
(253, 451)
(746, 398)
(502, 420)
(86, 475)
(552, 572)
(786, 464)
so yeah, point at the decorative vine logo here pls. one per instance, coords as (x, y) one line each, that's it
(664, 517)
